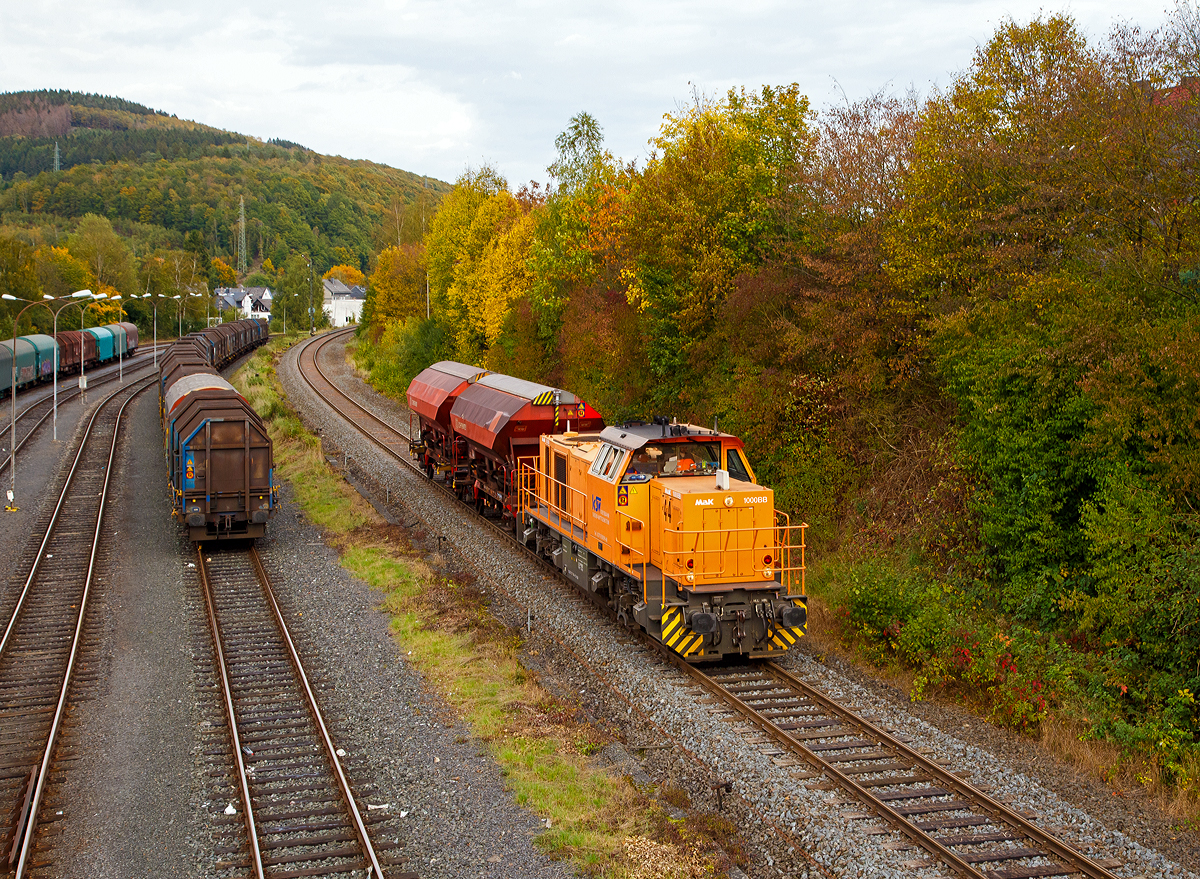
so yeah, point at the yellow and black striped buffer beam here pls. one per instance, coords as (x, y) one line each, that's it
(677, 635)
(785, 637)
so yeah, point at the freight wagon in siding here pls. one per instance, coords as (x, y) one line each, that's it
(26, 363)
(77, 350)
(219, 457)
(45, 353)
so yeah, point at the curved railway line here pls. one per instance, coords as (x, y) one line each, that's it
(44, 625)
(953, 822)
(300, 815)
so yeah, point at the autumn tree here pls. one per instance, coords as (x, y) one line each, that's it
(463, 236)
(60, 273)
(702, 213)
(107, 257)
(18, 277)
(397, 286)
(348, 275)
(221, 274)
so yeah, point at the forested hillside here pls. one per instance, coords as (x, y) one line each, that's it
(958, 333)
(170, 191)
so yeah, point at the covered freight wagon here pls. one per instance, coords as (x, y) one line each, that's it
(120, 340)
(76, 350)
(131, 337)
(105, 349)
(219, 459)
(26, 364)
(45, 354)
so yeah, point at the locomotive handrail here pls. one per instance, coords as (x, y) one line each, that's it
(784, 529)
(780, 546)
(544, 480)
(523, 487)
(631, 520)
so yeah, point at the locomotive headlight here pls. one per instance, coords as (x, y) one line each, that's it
(768, 573)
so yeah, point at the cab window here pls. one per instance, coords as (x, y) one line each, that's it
(608, 463)
(735, 466)
(676, 459)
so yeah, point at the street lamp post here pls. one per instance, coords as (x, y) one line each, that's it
(179, 308)
(311, 329)
(12, 455)
(120, 353)
(154, 304)
(78, 294)
(11, 506)
(206, 317)
(82, 375)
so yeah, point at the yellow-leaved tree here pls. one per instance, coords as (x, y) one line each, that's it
(348, 275)
(474, 251)
(398, 283)
(222, 273)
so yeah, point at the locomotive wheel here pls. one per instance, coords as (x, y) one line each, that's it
(429, 470)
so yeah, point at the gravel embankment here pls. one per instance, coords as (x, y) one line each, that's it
(457, 818)
(637, 683)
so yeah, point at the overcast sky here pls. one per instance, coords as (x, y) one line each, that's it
(435, 87)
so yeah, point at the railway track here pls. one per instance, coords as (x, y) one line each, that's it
(41, 641)
(300, 815)
(954, 822)
(35, 414)
(938, 811)
(68, 385)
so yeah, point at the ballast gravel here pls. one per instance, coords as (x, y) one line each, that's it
(406, 753)
(660, 702)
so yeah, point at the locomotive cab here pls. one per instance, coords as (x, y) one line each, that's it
(667, 521)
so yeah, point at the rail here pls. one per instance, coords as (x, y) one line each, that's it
(29, 411)
(269, 691)
(74, 582)
(806, 722)
(853, 752)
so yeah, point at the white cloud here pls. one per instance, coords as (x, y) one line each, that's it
(434, 86)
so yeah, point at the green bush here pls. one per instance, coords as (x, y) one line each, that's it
(405, 348)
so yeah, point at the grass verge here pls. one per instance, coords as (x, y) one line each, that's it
(601, 822)
(935, 640)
